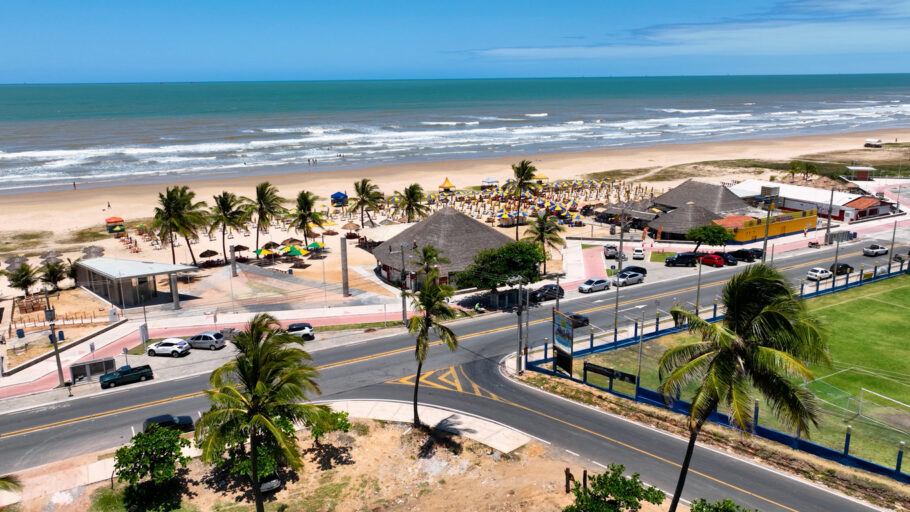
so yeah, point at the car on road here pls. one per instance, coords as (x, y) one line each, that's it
(625, 278)
(638, 270)
(683, 259)
(184, 423)
(729, 259)
(610, 251)
(875, 250)
(818, 274)
(547, 291)
(712, 260)
(578, 320)
(209, 339)
(756, 252)
(126, 375)
(174, 347)
(842, 268)
(594, 284)
(743, 255)
(638, 253)
(302, 329)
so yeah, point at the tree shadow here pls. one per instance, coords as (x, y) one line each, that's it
(437, 438)
(150, 497)
(327, 456)
(220, 480)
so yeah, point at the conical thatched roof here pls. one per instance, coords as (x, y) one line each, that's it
(683, 219)
(458, 236)
(716, 198)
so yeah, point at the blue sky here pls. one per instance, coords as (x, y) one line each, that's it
(198, 40)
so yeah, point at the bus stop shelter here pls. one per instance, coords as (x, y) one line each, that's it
(128, 283)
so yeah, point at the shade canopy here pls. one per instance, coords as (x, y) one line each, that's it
(208, 253)
(315, 245)
(270, 245)
(339, 195)
(351, 226)
(490, 180)
(446, 184)
(50, 254)
(113, 220)
(241, 248)
(290, 241)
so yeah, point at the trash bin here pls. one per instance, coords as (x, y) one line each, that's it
(290, 271)
(20, 333)
(59, 335)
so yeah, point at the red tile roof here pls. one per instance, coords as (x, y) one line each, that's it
(861, 203)
(733, 221)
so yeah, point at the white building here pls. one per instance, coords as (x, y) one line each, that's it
(844, 207)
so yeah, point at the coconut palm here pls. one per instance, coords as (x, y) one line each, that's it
(429, 257)
(431, 306)
(523, 181)
(10, 483)
(411, 203)
(22, 277)
(764, 344)
(266, 205)
(52, 273)
(306, 214)
(268, 379)
(228, 212)
(545, 231)
(368, 196)
(178, 213)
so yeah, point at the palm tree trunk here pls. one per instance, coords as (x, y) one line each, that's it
(257, 241)
(544, 258)
(173, 254)
(416, 385)
(517, 218)
(223, 242)
(190, 248)
(361, 216)
(254, 473)
(684, 470)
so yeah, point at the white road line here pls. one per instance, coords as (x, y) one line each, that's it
(598, 464)
(573, 453)
(133, 430)
(199, 414)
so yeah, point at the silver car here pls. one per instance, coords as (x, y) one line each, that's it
(595, 284)
(209, 339)
(875, 250)
(174, 347)
(625, 278)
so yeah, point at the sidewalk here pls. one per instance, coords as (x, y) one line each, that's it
(64, 479)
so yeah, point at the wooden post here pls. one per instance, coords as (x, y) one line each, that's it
(569, 478)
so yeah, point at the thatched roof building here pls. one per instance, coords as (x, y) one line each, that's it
(716, 198)
(677, 223)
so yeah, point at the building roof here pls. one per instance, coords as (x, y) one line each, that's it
(861, 203)
(446, 184)
(115, 268)
(734, 221)
(683, 219)
(751, 188)
(716, 198)
(458, 236)
(382, 233)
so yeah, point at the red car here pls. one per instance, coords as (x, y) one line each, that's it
(712, 260)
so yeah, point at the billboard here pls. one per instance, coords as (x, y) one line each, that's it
(563, 334)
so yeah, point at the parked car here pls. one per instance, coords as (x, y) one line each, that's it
(638, 253)
(875, 250)
(638, 270)
(184, 423)
(587, 210)
(683, 259)
(270, 483)
(818, 274)
(842, 268)
(303, 330)
(610, 251)
(729, 259)
(174, 347)
(126, 375)
(743, 255)
(578, 320)
(625, 278)
(594, 285)
(756, 252)
(712, 260)
(547, 291)
(209, 339)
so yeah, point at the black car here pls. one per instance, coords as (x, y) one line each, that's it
(743, 255)
(547, 291)
(683, 259)
(586, 210)
(184, 423)
(842, 268)
(578, 320)
(729, 259)
(638, 270)
(756, 252)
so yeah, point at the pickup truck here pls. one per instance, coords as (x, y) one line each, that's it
(126, 375)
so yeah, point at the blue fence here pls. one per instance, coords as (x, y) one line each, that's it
(648, 396)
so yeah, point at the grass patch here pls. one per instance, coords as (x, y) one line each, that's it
(19, 241)
(619, 174)
(105, 499)
(139, 349)
(588, 246)
(661, 256)
(86, 235)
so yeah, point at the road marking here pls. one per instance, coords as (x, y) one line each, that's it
(133, 430)
(598, 464)
(573, 453)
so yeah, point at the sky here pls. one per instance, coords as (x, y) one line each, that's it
(67, 41)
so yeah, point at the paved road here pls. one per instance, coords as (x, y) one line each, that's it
(364, 370)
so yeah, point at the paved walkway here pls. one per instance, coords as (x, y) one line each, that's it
(64, 480)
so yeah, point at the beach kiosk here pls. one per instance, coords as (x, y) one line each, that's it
(446, 186)
(114, 224)
(339, 199)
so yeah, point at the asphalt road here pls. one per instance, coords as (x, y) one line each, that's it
(364, 370)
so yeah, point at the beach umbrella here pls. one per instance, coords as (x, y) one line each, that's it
(208, 253)
(329, 223)
(315, 246)
(263, 252)
(113, 220)
(53, 260)
(296, 251)
(403, 220)
(290, 241)
(50, 254)
(386, 222)
(239, 248)
(92, 248)
(16, 259)
(12, 267)
(118, 229)
(351, 226)
(270, 245)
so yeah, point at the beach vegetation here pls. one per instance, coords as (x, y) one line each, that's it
(725, 505)
(333, 421)
(10, 483)
(619, 174)
(522, 181)
(266, 205)
(613, 492)
(178, 214)
(431, 304)
(492, 268)
(411, 202)
(801, 167)
(22, 277)
(86, 235)
(265, 384)
(228, 212)
(429, 258)
(764, 344)
(154, 454)
(711, 234)
(367, 198)
(307, 215)
(52, 273)
(545, 230)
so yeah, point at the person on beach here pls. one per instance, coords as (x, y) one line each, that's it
(108, 205)
(74, 185)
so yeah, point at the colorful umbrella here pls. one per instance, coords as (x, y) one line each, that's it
(263, 252)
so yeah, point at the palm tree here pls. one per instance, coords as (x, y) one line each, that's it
(368, 196)
(431, 306)
(411, 203)
(10, 483)
(306, 214)
(23, 277)
(52, 273)
(266, 206)
(545, 231)
(523, 181)
(268, 379)
(178, 213)
(228, 212)
(429, 257)
(764, 343)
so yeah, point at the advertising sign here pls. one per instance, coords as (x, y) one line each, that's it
(562, 332)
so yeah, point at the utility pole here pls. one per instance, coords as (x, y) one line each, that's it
(764, 247)
(519, 313)
(231, 279)
(619, 257)
(830, 213)
(557, 292)
(402, 274)
(641, 329)
(891, 251)
(50, 315)
(836, 253)
(698, 288)
(528, 316)
(345, 290)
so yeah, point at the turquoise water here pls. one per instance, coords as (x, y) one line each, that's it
(51, 135)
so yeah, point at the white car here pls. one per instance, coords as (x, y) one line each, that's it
(625, 278)
(594, 285)
(302, 329)
(174, 347)
(818, 274)
(875, 250)
(638, 254)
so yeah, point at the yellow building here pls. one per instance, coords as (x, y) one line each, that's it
(746, 229)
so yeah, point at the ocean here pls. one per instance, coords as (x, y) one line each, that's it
(96, 134)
